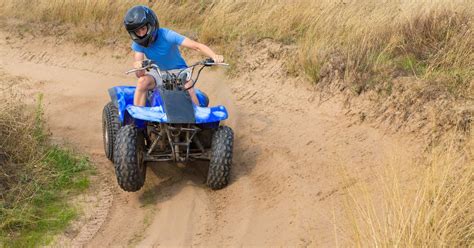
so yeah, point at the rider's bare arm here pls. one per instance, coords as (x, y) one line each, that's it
(205, 50)
(138, 57)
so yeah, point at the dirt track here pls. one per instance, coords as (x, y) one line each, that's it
(286, 187)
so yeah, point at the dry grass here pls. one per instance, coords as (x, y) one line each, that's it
(35, 177)
(427, 39)
(433, 209)
(21, 133)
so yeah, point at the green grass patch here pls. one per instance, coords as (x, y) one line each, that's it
(410, 64)
(37, 179)
(43, 211)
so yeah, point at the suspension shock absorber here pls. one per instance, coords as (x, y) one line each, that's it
(176, 147)
(175, 132)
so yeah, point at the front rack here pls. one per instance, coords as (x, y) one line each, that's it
(179, 139)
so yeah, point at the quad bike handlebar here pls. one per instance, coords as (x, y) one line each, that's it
(150, 64)
(208, 62)
(146, 65)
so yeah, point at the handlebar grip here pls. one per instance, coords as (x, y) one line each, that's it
(146, 63)
(208, 61)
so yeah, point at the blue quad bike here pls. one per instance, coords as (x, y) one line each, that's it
(169, 128)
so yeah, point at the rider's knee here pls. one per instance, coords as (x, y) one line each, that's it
(144, 83)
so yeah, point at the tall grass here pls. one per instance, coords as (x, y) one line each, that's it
(433, 209)
(427, 39)
(36, 178)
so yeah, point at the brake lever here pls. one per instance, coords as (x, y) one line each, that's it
(146, 64)
(149, 66)
(211, 64)
(134, 70)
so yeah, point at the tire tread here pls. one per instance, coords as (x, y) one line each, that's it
(127, 170)
(110, 124)
(221, 158)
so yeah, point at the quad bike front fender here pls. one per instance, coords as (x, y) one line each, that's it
(157, 114)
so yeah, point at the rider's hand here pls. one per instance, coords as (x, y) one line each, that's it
(140, 73)
(218, 59)
(137, 64)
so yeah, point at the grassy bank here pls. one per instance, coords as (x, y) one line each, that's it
(432, 40)
(432, 209)
(36, 178)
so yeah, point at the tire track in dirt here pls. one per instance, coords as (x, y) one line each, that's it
(91, 227)
(286, 186)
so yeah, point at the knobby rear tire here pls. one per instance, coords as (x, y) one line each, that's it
(110, 127)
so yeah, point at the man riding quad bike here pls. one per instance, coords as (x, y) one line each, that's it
(164, 118)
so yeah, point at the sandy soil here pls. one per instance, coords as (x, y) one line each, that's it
(286, 187)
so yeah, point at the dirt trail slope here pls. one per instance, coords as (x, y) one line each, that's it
(285, 190)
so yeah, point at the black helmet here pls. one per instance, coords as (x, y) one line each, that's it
(138, 17)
